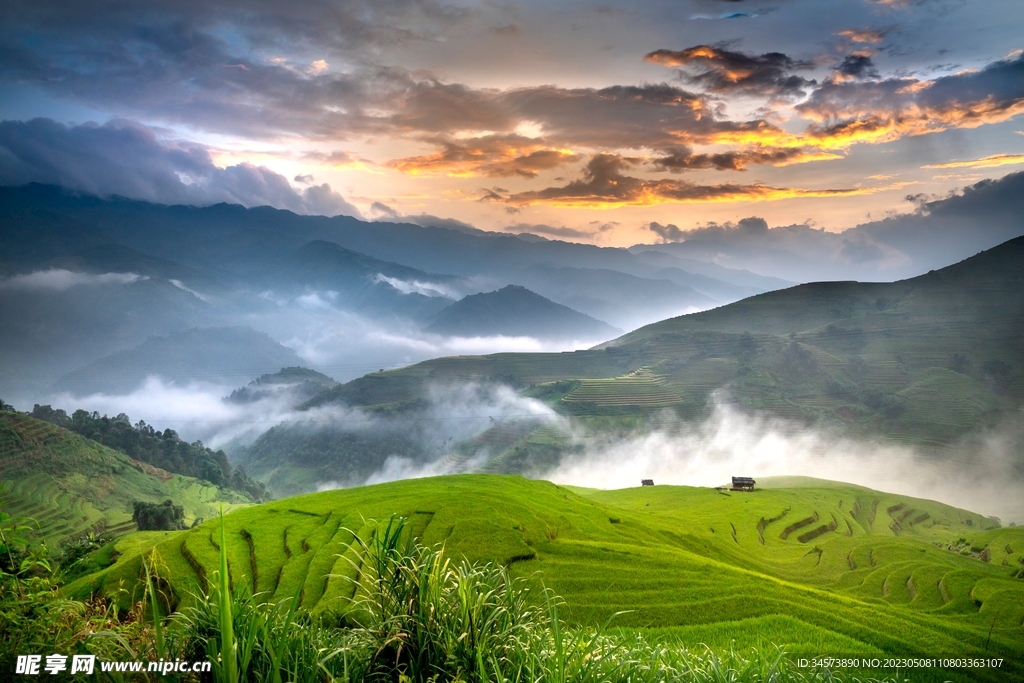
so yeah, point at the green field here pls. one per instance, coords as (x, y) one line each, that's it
(816, 567)
(69, 485)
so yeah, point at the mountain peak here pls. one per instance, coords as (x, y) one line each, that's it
(516, 311)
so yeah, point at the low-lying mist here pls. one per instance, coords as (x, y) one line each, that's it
(984, 474)
(331, 340)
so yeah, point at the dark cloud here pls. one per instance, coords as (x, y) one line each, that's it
(251, 68)
(724, 71)
(382, 209)
(683, 158)
(177, 63)
(605, 184)
(945, 230)
(127, 159)
(667, 233)
(625, 117)
(304, 179)
(329, 24)
(857, 65)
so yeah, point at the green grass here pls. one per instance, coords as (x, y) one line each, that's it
(70, 485)
(664, 556)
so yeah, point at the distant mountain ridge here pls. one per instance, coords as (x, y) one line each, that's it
(42, 222)
(515, 311)
(611, 296)
(363, 283)
(224, 354)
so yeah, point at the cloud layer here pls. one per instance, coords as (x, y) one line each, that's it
(58, 280)
(421, 99)
(130, 160)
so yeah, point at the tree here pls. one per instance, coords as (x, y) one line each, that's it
(164, 516)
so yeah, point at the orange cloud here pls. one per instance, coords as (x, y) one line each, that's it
(846, 113)
(493, 156)
(865, 35)
(984, 162)
(341, 160)
(604, 186)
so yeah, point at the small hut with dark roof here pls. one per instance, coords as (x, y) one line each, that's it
(742, 484)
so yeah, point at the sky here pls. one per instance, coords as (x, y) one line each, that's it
(587, 121)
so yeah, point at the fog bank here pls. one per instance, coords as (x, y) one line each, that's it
(984, 475)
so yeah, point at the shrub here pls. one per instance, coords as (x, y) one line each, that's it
(164, 516)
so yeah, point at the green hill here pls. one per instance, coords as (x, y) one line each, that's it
(515, 311)
(817, 567)
(924, 361)
(71, 485)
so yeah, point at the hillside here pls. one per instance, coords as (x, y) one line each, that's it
(515, 311)
(925, 361)
(71, 485)
(814, 567)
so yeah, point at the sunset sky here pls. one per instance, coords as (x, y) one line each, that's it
(574, 120)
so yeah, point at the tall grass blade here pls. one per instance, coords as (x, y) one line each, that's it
(228, 647)
(158, 628)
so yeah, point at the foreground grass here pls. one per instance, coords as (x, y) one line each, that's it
(417, 616)
(414, 616)
(670, 564)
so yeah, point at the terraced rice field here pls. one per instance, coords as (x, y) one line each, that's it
(69, 486)
(641, 388)
(812, 566)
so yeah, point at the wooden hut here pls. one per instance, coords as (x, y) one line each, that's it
(742, 484)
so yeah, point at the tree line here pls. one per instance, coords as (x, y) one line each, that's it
(163, 449)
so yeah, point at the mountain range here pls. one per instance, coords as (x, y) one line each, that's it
(82, 278)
